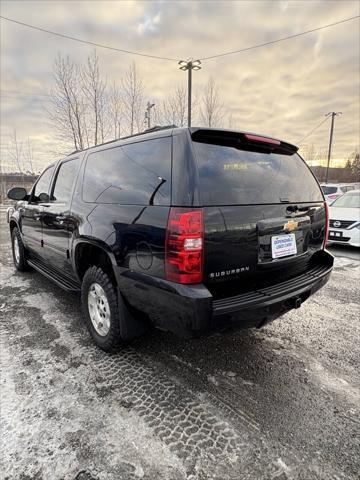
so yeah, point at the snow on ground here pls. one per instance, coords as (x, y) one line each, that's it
(279, 403)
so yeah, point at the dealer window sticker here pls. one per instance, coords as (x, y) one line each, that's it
(235, 166)
(243, 165)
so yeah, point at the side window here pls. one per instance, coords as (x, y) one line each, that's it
(64, 181)
(138, 173)
(41, 189)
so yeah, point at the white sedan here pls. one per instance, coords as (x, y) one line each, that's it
(344, 219)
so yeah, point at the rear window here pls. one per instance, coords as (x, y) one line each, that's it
(328, 190)
(137, 174)
(230, 176)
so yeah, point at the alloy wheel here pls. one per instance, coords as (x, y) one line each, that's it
(99, 309)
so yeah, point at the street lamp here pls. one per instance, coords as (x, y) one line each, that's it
(149, 106)
(189, 65)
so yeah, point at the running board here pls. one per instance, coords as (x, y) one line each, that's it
(49, 272)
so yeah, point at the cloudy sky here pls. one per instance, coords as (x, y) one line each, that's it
(282, 90)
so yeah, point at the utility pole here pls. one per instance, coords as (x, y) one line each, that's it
(189, 65)
(149, 106)
(333, 115)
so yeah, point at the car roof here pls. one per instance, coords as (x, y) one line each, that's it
(335, 184)
(170, 130)
(156, 132)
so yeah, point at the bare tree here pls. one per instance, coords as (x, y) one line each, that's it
(28, 154)
(68, 106)
(94, 90)
(174, 107)
(313, 155)
(133, 96)
(211, 109)
(115, 110)
(15, 150)
(232, 123)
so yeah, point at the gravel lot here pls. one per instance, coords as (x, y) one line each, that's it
(279, 403)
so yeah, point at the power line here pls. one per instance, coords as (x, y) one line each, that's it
(17, 92)
(313, 130)
(130, 52)
(100, 45)
(38, 100)
(281, 39)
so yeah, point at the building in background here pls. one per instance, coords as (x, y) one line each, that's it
(9, 180)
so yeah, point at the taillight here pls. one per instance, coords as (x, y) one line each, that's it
(184, 245)
(258, 138)
(326, 232)
(333, 196)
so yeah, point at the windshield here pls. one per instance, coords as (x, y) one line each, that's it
(328, 190)
(347, 201)
(230, 176)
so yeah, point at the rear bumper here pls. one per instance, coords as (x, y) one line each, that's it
(191, 309)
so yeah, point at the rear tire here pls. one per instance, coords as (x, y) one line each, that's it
(18, 251)
(101, 310)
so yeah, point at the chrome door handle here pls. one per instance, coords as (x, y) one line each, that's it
(60, 218)
(37, 216)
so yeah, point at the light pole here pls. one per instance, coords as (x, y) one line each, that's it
(149, 106)
(333, 115)
(189, 65)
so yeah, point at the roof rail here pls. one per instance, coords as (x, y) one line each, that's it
(159, 127)
(149, 130)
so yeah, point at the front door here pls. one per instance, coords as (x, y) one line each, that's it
(31, 221)
(57, 219)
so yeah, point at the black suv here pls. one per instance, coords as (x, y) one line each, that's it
(186, 229)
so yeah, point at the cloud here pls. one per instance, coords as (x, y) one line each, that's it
(282, 90)
(149, 25)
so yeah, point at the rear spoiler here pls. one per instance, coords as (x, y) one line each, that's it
(242, 141)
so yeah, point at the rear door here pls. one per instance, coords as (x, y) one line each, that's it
(57, 217)
(263, 210)
(31, 223)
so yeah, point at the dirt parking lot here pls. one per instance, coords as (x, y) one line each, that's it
(279, 403)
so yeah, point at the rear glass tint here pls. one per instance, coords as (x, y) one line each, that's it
(328, 190)
(137, 173)
(229, 176)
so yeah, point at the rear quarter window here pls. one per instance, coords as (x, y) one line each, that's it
(137, 174)
(230, 176)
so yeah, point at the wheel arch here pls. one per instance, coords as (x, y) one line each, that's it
(89, 252)
(13, 224)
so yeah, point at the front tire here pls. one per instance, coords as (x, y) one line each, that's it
(102, 313)
(18, 251)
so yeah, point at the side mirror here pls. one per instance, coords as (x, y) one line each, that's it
(17, 193)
